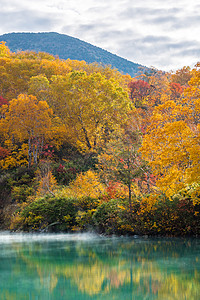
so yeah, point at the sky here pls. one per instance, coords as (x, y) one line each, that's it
(155, 33)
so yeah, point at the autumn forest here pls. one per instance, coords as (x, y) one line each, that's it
(84, 147)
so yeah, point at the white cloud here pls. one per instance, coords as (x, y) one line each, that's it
(164, 34)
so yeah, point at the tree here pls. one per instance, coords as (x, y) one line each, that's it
(182, 76)
(27, 119)
(39, 87)
(139, 92)
(120, 160)
(3, 153)
(4, 50)
(90, 106)
(176, 90)
(3, 101)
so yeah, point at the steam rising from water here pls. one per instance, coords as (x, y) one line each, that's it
(7, 237)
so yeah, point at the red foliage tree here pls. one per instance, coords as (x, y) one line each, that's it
(139, 90)
(176, 90)
(3, 101)
(3, 153)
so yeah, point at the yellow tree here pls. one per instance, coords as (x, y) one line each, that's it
(4, 50)
(39, 87)
(27, 119)
(90, 106)
(16, 70)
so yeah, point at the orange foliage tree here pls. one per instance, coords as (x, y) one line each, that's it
(171, 144)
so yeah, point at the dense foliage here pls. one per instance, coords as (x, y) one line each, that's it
(83, 147)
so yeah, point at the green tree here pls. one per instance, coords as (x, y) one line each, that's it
(121, 161)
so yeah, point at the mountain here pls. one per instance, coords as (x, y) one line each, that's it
(68, 47)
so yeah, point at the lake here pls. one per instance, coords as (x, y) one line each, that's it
(88, 266)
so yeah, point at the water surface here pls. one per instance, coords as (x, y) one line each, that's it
(89, 266)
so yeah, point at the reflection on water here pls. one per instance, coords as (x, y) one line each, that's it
(87, 266)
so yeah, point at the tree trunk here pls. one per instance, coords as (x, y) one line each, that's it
(36, 150)
(85, 133)
(29, 153)
(148, 182)
(129, 184)
(129, 195)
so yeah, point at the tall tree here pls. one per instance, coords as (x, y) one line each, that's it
(90, 106)
(139, 92)
(120, 160)
(27, 119)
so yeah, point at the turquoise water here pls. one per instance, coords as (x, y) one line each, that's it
(88, 266)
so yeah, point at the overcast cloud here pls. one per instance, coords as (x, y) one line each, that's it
(162, 34)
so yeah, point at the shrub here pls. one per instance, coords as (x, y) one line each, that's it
(171, 217)
(84, 220)
(113, 217)
(65, 172)
(87, 185)
(21, 193)
(48, 213)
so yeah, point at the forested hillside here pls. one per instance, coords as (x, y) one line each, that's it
(68, 47)
(83, 147)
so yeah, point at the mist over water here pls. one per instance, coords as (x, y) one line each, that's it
(94, 267)
(8, 237)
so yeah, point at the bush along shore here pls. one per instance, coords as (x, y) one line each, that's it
(152, 215)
